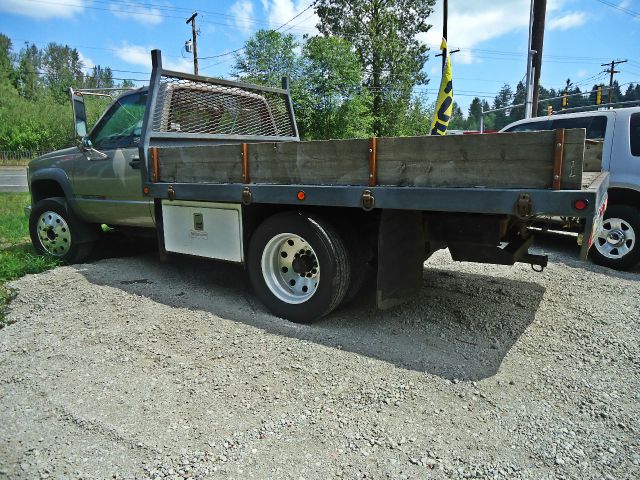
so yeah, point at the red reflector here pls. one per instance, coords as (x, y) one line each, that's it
(580, 204)
(301, 195)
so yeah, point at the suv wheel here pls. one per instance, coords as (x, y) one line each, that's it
(616, 245)
(54, 230)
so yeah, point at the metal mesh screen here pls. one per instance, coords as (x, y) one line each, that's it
(188, 106)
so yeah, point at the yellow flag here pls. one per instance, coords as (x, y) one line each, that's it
(444, 105)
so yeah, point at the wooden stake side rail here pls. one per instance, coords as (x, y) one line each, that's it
(506, 160)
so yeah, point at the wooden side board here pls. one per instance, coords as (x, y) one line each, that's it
(506, 160)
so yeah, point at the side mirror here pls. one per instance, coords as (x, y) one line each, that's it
(86, 143)
(79, 114)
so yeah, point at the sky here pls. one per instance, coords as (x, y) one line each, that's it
(492, 35)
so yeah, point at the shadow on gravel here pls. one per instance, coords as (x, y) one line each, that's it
(460, 325)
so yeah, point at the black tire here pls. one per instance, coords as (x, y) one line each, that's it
(55, 231)
(629, 231)
(328, 249)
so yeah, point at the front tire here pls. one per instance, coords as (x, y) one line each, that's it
(55, 231)
(616, 245)
(298, 266)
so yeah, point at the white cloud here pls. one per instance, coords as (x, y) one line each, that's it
(141, 55)
(567, 21)
(86, 61)
(582, 73)
(42, 10)
(242, 11)
(475, 22)
(279, 12)
(148, 16)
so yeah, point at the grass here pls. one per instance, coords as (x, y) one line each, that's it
(15, 162)
(17, 255)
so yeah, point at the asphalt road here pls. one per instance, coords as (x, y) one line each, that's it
(13, 179)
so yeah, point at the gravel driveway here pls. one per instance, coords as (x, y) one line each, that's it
(128, 368)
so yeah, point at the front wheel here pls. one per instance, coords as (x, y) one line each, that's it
(54, 230)
(298, 266)
(616, 245)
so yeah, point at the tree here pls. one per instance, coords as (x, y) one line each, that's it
(126, 83)
(503, 99)
(27, 73)
(267, 57)
(99, 78)
(384, 34)
(335, 105)
(475, 111)
(62, 68)
(519, 97)
(6, 69)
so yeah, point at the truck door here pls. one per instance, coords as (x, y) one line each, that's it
(107, 182)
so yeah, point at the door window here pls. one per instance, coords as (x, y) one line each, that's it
(634, 134)
(122, 125)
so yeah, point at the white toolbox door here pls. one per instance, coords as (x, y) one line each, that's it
(204, 229)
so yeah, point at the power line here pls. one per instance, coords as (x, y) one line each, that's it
(621, 9)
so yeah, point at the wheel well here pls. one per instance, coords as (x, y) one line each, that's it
(41, 189)
(624, 196)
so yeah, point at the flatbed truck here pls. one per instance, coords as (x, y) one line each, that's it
(216, 169)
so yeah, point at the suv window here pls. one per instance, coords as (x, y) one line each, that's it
(530, 126)
(122, 125)
(634, 134)
(596, 126)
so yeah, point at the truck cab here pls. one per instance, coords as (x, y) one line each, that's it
(96, 182)
(617, 245)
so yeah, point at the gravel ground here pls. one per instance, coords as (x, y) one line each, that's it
(128, 368)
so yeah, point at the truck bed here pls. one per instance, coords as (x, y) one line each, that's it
(508, 160)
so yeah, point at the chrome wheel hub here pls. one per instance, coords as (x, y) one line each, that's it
(290, 268)
(616, 239)
(54, 233)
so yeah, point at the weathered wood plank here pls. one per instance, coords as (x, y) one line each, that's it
(203, 164)
(593, 156)
(326, 162)
(507, 160)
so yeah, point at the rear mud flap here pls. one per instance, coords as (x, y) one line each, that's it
(401, 253)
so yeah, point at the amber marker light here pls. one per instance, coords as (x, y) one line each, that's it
(145, 190)
(301, 195)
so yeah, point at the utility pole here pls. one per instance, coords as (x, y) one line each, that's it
(192, 21)
(528, 100)
(611, 70)
(537, 42)
(445, 19)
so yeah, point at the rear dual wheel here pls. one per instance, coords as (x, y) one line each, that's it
(298, 266)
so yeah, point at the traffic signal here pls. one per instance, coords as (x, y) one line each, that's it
(599, 95)
(565, 100)
(549, 110)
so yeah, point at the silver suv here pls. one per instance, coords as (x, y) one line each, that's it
(617, 245)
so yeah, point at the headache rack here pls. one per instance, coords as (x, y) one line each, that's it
(196, 109)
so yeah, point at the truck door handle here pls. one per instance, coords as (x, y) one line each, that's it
(135, 163)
